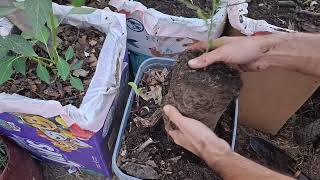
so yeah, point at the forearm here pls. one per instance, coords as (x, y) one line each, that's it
(236, 167)
(295, 51)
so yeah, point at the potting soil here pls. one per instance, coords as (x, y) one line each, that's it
(296, 15)
(161, 157)
(178, 8)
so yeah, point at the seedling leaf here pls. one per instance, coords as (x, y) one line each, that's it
(27, 35)
(20, 65)
(80, 10)
(18, 45)
(69, 54)
(37, 12)
(6, 69)
(76, 83)
(77, 65)
(63, 69)
(43, 73)
(78, 3)
(55, 23)
(135, 88)
(6, 10)
(43, 35)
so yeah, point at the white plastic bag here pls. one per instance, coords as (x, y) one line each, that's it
(237, 11)
(153, 33)
(104, 85)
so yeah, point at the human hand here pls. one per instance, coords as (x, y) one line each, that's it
(196, 137)
(244, 52)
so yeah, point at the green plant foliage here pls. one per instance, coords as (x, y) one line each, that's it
(135, 88)
(44, 32)
(78, 3)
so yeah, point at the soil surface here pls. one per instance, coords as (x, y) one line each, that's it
(177, 8)
(307, 156)
(100, 4)
(147, 151)
(202, 94)
(87, 44)
(299, 15)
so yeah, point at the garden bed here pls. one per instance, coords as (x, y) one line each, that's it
(307, 156)
(147, 151)
(87, 44)
(296, 15)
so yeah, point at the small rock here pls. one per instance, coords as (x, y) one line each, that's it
(83, 40)
(261, 4)
(93, 43)
(140, 171)
(80, 73)
(92, 59)
(86, 54)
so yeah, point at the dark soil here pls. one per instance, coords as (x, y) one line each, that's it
(162, 159)
(100, 4)
(82, 40)
(203, 94)
(177, 8)
(307, 156)
(299, 15)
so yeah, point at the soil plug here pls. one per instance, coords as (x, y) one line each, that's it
(202, 94)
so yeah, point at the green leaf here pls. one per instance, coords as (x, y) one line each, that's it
(69, 54)
(76, 83)
(27, 35)
(3, 52)
(18, 45)
(80, 10)
(43, 73)
(6, 10)
(203, 15)
(78, 3)
(53, 22)
(135, 88)
(77, 65)
(37, 12)
(19, 5)
(20, 65)
(6, 69)
(63, 69)
(43, 35)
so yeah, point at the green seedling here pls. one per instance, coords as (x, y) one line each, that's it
(206, 16)
(78, 3)
(15, 50)
(135, 88)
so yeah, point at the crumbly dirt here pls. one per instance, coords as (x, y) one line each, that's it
(162, 159)
(58, 172)
(299, 15)
(84, 41)
(100, 4)
(307, 156)
(177, 8)
(202, 94)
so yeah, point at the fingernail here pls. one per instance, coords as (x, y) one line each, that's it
(166, 109)
(193, 62)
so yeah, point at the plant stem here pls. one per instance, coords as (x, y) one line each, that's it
(39, 61)
(54, 39)
(46, 59)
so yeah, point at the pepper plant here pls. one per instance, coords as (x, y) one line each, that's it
(207, 16)
(16, 50)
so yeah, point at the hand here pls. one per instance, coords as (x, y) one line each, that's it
(196, 137)
(245, 52)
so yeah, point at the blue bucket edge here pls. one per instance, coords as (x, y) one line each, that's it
(146, 65)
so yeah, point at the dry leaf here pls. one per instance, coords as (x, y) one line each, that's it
(80, 73)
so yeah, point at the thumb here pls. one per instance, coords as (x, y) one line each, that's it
(173, 114)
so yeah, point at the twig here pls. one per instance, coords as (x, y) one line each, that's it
(144, 145)
(308, 13)
(287, 3)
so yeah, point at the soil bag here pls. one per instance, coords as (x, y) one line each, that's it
(154, 34)
(80, 137)
(237, 14)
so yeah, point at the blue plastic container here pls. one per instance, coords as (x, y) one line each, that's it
(151, 63)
